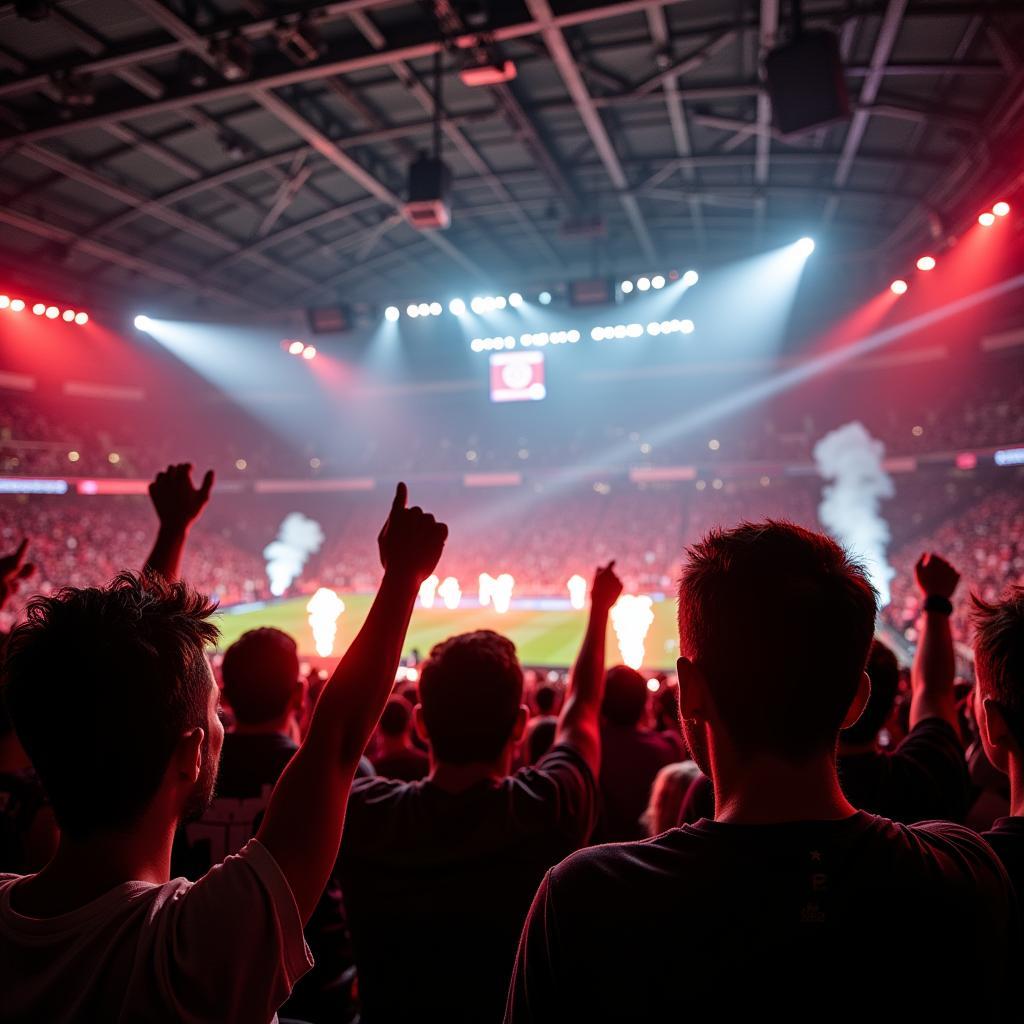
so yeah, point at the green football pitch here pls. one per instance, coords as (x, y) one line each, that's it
(543, 638)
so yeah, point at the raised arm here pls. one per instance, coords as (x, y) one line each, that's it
(178, 505)
(302, 824)
(578, 725)
(934, 662)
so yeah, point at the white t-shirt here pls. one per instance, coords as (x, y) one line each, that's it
(226, 948)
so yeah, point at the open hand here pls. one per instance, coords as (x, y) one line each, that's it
(607, 586)
(177, 503)
(935, 576)
(411, 540)
(14, 569)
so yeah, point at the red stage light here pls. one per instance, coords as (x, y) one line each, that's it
(52, 312)
(926, 263)
(68, 315)
(898, 287)
(309, 352)
(5, 301)
(295, 348)
(39, 309)
(987, 219)
(17, 305)
(1001, 209)
(81, 318)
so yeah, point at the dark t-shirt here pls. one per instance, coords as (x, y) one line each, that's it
(798, 921)
(1006, 837)
(406, 766)
(630, 760)
(437, 884)
(923, 779)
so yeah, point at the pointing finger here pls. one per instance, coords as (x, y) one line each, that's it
(401, 494)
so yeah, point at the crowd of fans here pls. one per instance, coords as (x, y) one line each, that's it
(470, 846)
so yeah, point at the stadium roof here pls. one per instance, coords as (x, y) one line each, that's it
(175, 150)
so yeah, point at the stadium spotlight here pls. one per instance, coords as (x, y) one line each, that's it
(295, 348)
(690, 278)
(643, 284)
(987, 219)
(142, 322)
(926, 263)
(68, 315)
(456, 307)
(392, 313)
(5, 301)
(597, 333)
(17, 305)
(423, 309)
(1001, 209)
(626, 286)
(52, 312)
(309, 352)
(435, 309)
(39, 309)
(515, 300)
(805, 246)
(898, 287)
(499, 302)
(686, 326)
(412, 310)
(657, 281)
(477, 304)
(81, 318)
(544, 298)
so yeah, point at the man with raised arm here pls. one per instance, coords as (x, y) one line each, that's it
(111, 694)
(792, 904)
(438, 874)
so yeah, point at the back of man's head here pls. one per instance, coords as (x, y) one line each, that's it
(625, 696)
(544, 697)
(779, 621)
(999, 655)
(395, 719)
(101, 684)
(470, 689)
(260, 672)
(884, 672)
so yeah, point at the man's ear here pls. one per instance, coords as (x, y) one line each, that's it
(189, 755)
(522, 717)
(421, 726)
(693, 691)
(999, 740)
(859, 702)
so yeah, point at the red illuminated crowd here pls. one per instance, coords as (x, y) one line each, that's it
(781, 828)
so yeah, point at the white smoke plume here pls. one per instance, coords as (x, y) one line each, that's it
(297, 538)
(853, 461)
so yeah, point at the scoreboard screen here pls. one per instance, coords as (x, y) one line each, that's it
(517, 377)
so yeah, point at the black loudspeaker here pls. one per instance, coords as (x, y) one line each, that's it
(429, 186)
(806, 83)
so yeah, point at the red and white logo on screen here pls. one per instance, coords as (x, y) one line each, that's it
(517, 377)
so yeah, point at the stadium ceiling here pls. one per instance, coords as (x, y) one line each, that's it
(255, 154)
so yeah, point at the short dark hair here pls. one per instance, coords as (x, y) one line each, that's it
(625, 696)
(884, 671)
(101, 683)
(260, 670)
(395, 719)
(780, 620)
(470, 688)
(544, 697)
(999, 654)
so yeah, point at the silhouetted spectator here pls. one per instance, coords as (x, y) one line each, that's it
(438, 874)
(540, 730)
(396, 757)
(632, 755)
(791, 903)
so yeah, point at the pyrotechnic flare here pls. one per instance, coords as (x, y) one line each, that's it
(450, 592)
(428, 591)
(577, 591)
(632, 616)
(501, 595)
(487, 582)
(324, 608)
